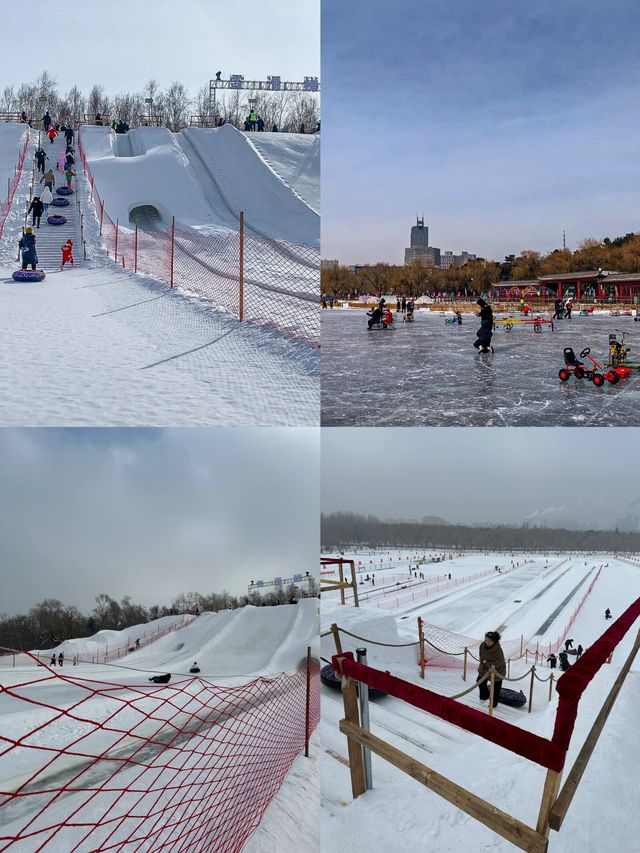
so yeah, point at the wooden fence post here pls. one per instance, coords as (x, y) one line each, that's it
(356, 760)
(336, 638)
(533, 675)
(241, 271)
(550, 686)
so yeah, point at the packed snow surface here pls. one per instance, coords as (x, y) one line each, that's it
(11, 140)
(535, 602)
(427, 373)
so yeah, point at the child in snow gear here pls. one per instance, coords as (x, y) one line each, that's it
(60, 162)
(607, 614)
(67, 253)
(60, 659)
(47, 197)
(69, 174)
(195, 668)
(52, 133)
(68, 135)
(27, 246)
(52, 662)
(37, 208)
(491, 654)
(485, 332)
(579, 651)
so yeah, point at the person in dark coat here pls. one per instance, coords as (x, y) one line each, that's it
(37, 209)
(579, 651)
(607, 614)
(485, 332)
(568, 644)
(46, 121)
(68, 135)
(274, 129)
(260, 124)
(491, 654)
(552, 660)
(27, 246)
(375, 316)
(40, 158)
(563, 657)
(60, 659)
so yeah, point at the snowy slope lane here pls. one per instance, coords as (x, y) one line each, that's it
(295, 158)
(11, 138)
(162, 764)
(537, 602)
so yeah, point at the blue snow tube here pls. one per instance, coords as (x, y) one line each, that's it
(60, 202)
(28, 275)
(511, 697)
(56, 219)
(64, 191)
(328, 677)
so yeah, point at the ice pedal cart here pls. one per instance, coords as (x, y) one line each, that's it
(508, 323)
(581, 371)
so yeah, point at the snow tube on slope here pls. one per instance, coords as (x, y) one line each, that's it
(60, 202)
(511, 697)
(64, 190)
(56, 219)
(328, 677)
(28, 275)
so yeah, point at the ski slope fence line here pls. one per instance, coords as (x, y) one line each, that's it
(549, 753)
(183, 766)
(108, 654)
(255, 278)
(12, 183)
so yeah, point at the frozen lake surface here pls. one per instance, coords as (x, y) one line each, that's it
(427, 373)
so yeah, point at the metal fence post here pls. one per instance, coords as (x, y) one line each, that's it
(307, 722)
(135, 251)
(363, 696)
(241, 270)
(115, 253)
(173, 240)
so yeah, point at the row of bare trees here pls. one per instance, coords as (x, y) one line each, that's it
(351, 530)
(477, 276)
(51, 622)
(172, 107)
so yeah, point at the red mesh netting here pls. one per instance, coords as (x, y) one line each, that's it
(184, 766)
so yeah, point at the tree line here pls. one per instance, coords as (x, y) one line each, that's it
(477, 276)
(51, 621)
(350, 531)
(171, 107)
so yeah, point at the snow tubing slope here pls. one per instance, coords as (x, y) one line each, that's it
(250, 640)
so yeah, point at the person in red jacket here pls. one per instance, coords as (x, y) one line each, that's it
(52, 133)
(67, 253)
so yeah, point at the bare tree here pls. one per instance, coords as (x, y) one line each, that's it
(176, 107)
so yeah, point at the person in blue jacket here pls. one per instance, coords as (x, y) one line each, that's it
(27, 246)
(485, 332)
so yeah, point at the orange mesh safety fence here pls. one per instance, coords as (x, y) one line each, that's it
(12, 184)
(280, 280)
(188, 765)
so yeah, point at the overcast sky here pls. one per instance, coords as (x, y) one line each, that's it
(122, 43)
(505, 122)
(550, 476)
(152, 513)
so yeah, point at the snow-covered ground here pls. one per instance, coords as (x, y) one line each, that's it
(534, 601)
(54, 723)
(101, 346)
(11, 139)
(427, 373)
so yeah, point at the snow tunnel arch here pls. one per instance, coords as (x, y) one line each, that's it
(147, 217)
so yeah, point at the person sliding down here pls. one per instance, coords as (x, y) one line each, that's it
(485, 332)
(67, 253)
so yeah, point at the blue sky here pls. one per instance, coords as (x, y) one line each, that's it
(505, 122)
(122, 43)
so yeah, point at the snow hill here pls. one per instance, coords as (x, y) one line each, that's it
(205, 177)
(11, 139)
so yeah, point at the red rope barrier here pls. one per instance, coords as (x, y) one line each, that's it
(182, 766)
(5, 206)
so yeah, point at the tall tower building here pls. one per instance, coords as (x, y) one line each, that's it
(419, 234)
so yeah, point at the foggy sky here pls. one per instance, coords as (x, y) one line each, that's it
(122, 43)
(551, 476)
(152, 513)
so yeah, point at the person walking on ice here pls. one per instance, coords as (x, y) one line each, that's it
(27, 246)
(67, 254)
(485, 332)
(491, 654)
